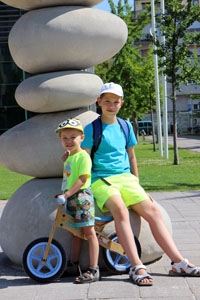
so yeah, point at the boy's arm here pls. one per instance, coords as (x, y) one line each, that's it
(133, 161)
(77, 186)
(133, 164)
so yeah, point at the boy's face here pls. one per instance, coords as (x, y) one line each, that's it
(110, 104)
(71, 139)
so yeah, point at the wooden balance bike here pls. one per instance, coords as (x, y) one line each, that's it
(44, 259)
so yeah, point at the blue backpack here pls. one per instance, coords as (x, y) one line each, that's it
(97, 133)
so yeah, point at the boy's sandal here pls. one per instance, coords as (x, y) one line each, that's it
(91, 275)
(73, 267)
(137, 279)
(184, 269)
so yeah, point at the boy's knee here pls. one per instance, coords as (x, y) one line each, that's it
(89, 232)
(120, 212)
(155, 213)
(91, 236)
(116, 206)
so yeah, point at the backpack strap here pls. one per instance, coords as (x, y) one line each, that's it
(125, 128)
(97, 134)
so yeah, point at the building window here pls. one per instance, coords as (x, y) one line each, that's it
(144, 52)
(11, 113)
(144, 4)
(196, 2)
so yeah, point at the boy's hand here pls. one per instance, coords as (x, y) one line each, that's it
(65, 156)
(61, 199)
(150, 197)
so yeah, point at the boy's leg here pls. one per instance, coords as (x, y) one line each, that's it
(90, 234)
(151, 213)
(76, 248)
(73, 262)
(92, 274)
(120, 213)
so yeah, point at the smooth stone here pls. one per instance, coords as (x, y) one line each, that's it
(65, 38)
(51, 92)
(33, 148)
(33, 4)
(36, 199)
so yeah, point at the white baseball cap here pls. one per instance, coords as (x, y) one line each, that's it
(113, 88)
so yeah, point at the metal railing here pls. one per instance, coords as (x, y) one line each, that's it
(8, 17)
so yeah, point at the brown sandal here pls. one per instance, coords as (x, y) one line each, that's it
(91, 275)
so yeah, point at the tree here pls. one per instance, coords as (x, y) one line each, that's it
(128, 67)
(179, 63)
(102, 69)
(149, 92)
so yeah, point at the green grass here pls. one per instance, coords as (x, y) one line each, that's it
(10, 182)
(159, 174)
(156, 173)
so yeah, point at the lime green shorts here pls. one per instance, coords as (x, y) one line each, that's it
(125, 185)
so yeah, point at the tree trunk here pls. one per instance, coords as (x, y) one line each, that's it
(176, 156)
(153, 128)
(135, 127)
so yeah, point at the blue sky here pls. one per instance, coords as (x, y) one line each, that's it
(104, 5)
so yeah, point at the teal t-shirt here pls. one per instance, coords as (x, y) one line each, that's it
(111, 158)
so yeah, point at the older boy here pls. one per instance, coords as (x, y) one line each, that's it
(118, 165)
(78, 194)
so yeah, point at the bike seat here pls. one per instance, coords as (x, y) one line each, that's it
(104, 219)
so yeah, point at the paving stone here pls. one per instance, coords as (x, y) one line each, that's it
(194, 285)
(171, 298)
(190, 247)
(62, 291)
(166, 286)
(120, 289)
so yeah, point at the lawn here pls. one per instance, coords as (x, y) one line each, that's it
(156, 173)
(159, 174)
(10, 182)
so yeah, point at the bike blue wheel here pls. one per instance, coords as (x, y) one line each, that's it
(115, 262)
(54, 265)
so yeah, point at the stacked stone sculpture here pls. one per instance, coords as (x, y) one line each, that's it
(56, 41)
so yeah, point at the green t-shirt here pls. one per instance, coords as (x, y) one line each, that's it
(76, 165)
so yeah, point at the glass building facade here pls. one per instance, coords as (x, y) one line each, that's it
(11, 113)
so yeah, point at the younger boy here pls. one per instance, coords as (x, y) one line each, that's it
(78, 194)
(118, 165)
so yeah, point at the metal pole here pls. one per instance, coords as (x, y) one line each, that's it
(156, 82)
(164, 84)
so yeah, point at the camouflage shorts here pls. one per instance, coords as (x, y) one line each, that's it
(81, 207)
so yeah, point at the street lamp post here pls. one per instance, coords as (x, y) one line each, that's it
(164, 85)
(156, 82)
